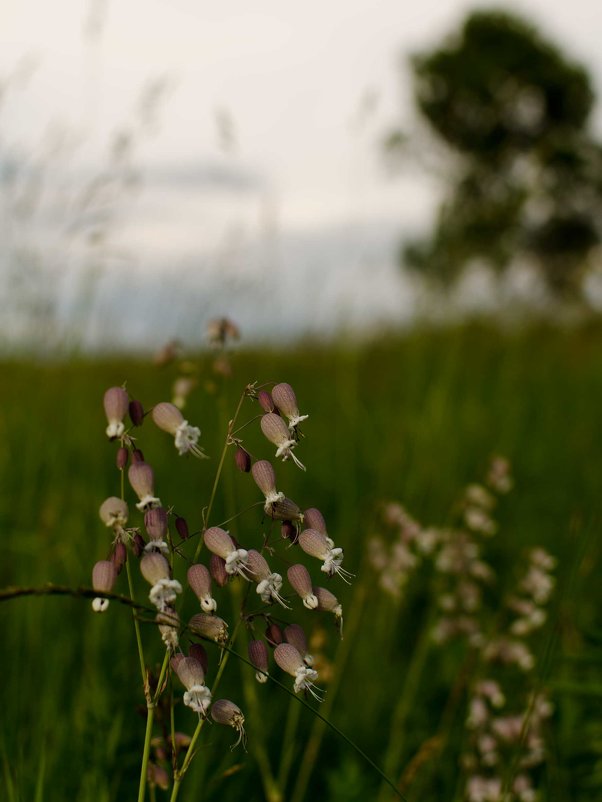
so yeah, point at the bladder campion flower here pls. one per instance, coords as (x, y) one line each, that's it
(104, 576)
(328, 601)
(219, 542)
(258, 655)
(268, 583)
(116, 406)
(199, 580)
(142, 480)
(114, 512)
(277, 432)
(300, 580)
(316, 544)
(191, 675)
(286, 401)
(295, 635)
(169, 418)
(209, 626)
(289, 660)
(155, 569)
(223, 711)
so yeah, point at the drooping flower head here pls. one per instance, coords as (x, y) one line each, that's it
(209, 626)
(219, 542)
(142, 480)
(277, 432)
(155, 521)
(169, 418)
(328, 601)
(169, 625)
(268, 583)
(199, 580)
(223, 711)
(155, 569)
(258, 655)
(317, 545)
(300, 580)
(295, 635)
(289, 660)
(115, 402)
(114, 512)
(286, 402)
(104, 577)
(191, 675)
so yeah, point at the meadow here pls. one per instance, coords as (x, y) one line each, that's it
(412, 419)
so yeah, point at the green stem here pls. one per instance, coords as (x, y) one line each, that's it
(136, 624)
(312, 748)
(218, 473)
(150, 715)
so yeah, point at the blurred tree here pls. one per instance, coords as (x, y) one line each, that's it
(527, 178)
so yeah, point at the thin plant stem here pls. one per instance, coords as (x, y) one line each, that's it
(319, 727)
(218, 473)
(136, 624)
(151, 704)
(288, 743)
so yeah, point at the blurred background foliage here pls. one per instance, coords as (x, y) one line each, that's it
(525, 169)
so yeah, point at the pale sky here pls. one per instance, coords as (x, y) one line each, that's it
(268, 133)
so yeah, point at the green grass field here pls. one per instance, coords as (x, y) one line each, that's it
(412, 419)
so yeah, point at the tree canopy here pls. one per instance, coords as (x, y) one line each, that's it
(527, 174)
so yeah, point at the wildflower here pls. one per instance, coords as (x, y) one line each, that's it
(115, 402)
(300, 580)
(142, 480)
(155, 521)
(223, 711)
(284, 510)
(219, 542)
(289, 660)
(169, 624)
(169, 418)
(288, 531)
(317, 545)
(119, 556)
(191, 675)
(199, 580)
(276, 431)
(258, 655)
(155, 569)
(121, 457)
(295, 635)
(268, 583)
(113, 512)
(265, 479)
(314, 519)
(209, 626)
(286, 401)
(104, 576)
(328, 601)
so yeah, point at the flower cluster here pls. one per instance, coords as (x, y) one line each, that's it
(275, 581)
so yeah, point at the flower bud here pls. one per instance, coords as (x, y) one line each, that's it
(113, 511)
(119, 556)
(258, 655)
(136, 411)
(122, 457)
(288, 531)
(273, 634)
(115, 403)
(209, 626)
(266, 402)
(242, 458)
(138, 544)
(217, 569)
(137, 455)
(182, 527)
